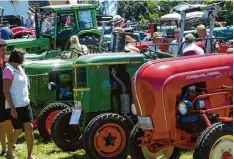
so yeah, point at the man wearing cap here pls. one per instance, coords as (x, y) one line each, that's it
(202, 33)
(174, 48)
(190, 47)
(157, 41)
(118, 22)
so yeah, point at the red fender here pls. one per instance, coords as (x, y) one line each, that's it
(23, 32)
(16, 29)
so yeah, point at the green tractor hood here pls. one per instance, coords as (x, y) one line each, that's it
(110, 58)
(31, 45)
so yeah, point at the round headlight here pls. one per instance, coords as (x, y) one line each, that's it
(182, 108)
(49, 86)
(133, 109)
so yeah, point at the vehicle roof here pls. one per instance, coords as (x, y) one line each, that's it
(108, 58)
(69, 7)
(176, 16)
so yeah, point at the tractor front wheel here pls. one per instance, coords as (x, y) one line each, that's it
(215, 142)
(105, 137)
(66, 137)
(149, 151)
(46, 119)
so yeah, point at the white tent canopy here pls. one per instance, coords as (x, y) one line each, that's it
(176, 16)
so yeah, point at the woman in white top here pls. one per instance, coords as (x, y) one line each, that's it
(15, 88)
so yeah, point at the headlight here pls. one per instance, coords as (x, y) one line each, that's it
(52, 86)
(182, 108)
(145, 122)
(49, 86)
(133, 109)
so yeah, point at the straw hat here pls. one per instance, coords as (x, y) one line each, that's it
(201, 27)
(157, 35)
(117, 19)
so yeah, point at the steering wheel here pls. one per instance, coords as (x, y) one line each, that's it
(143, 51)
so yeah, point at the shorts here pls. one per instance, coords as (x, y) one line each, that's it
(24, 115)
(4, 114)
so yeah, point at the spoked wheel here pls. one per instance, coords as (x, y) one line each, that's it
(46, 118)
(106, 135)
(150, 151)
(66, 137)
(215, 142)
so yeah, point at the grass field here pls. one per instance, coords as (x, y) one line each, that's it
(50, 151)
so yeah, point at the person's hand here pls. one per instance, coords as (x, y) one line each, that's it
(14, 113)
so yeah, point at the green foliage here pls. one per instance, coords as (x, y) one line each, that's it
(141, 11)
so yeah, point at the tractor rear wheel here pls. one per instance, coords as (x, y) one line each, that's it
(105, 137)
(215, 142)
(151, 151)
(66, 137)
(46, 118)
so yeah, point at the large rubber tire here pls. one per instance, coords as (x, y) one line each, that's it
(136, 151)
(95, 134)
(66, 137)
(213, 136)
(46, 117)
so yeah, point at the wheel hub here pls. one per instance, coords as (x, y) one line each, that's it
(222, 148)
(109, 140)
(227, 155)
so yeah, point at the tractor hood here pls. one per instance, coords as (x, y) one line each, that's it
(29, 44)
(111, 58)
(48, 64)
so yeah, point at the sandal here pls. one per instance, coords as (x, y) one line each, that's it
(4, 152)
(10, 156)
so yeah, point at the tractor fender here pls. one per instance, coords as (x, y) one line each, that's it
(16, 29)
(23, 32)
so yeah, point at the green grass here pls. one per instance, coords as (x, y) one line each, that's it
(51, 151)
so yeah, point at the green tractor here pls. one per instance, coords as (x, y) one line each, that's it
(40, 73)
(101, 84)
(56, 24)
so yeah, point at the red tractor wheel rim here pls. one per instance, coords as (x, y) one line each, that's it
(50, 119)
(152, 148)
(227, 155)
(109, 140)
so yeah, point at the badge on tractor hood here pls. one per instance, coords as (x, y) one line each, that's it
(204, 75)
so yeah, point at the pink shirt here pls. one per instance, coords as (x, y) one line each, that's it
(7, 74)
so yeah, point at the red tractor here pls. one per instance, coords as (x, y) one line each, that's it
(184, 103)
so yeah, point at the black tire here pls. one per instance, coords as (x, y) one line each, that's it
(117, 121)
(136, 151)
(41, 124)
(208, 139)
(66, 137)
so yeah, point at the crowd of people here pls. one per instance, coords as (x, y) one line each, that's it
(189, 47)
(6, 32)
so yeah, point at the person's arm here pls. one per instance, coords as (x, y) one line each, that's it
(129, 39)
(7, 82)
